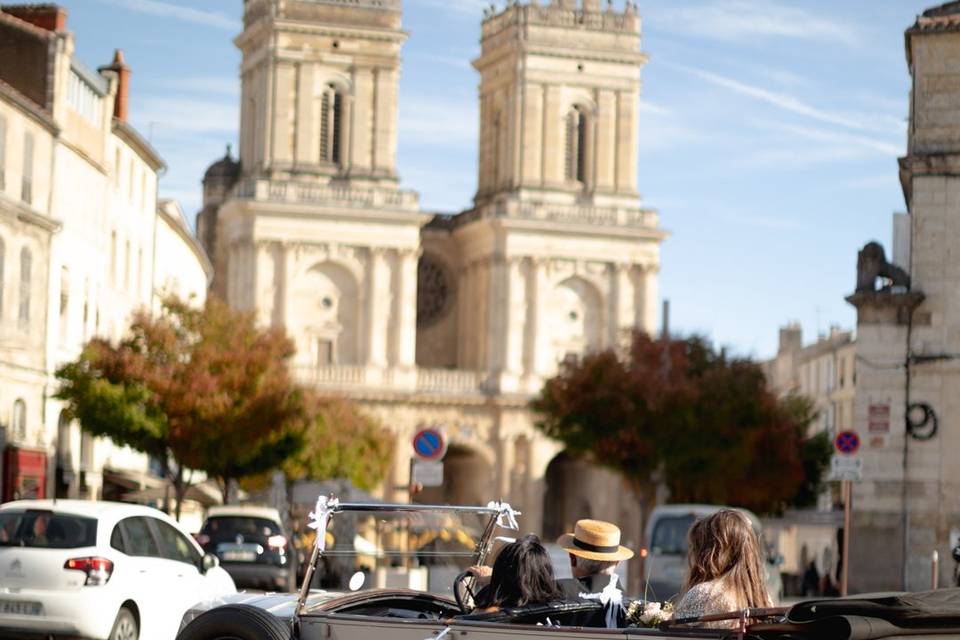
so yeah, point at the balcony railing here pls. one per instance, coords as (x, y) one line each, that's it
(296, 192)
(362, 378)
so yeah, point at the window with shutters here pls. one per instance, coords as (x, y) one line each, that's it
(20, 419)
(26, 185)
(3, 153)
(26, 267)
(331, 126)
(3, 283)
(575, 148)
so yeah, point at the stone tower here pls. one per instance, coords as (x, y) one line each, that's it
(909, 340)
(315, 235)
(558, 252)
(319, 83)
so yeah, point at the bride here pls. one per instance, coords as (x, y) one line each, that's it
(726, 568)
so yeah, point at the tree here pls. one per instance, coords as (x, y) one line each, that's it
(200, 389)
(341, 442)
(678, 411)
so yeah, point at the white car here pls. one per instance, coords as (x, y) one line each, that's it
(101, 570)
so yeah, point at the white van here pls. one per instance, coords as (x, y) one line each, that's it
(665, 550)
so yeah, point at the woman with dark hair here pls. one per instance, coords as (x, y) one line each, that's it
(522, 575)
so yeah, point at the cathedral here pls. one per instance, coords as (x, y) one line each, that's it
(449, 321)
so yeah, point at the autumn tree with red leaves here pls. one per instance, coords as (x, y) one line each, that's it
(202, 389)
(681, 413)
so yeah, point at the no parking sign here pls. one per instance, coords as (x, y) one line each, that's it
(430, 445)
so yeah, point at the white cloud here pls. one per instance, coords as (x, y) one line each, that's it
(872, 182)
(765, 222)
(168, 115)
(739, 20)
(871, 123)
(469, 7)
(439, 122)
(840, 139)
(218, 85)
(177, 12)
(451, 60)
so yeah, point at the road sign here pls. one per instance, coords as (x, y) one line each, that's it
(427, 474)
(845, 467)
(847, 442)
(430, 445)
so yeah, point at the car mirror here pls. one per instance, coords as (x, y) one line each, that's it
(209, 561)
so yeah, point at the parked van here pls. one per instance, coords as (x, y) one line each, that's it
(665, 550)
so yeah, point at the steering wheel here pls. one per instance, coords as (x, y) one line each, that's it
(462, 589)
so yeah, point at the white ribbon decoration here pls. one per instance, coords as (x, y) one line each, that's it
(319, 518)
(611, 598)
(507, 518)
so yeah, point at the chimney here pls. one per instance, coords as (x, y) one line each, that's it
(791, 338)
(122, 101)
(49, 17)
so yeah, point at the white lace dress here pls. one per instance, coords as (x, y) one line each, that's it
(708, 598)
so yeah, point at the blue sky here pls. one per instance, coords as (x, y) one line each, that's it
(769, 132)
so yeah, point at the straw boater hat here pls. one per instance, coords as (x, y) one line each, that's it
(595, 540)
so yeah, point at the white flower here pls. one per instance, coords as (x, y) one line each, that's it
(651, 613)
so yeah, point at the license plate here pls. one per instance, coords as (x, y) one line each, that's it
(239, 556)
(20, 608)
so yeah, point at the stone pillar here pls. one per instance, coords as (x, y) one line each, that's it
(645, 298)
(516, 317)
(364, 117)
(406, 323)
(532, 276)
(306, 138)
(378, 280)
(542, 353)
(505, 450)
(623, 316)
(399, 477)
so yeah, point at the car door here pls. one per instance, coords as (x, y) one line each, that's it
(153, 581)
(182, 570)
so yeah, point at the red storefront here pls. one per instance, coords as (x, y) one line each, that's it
(24, 473)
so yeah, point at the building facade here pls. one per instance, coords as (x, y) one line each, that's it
(451, 321)
(908, 339)
(83, 246)
(825, 372)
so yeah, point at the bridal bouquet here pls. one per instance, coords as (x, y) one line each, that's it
(649, 614)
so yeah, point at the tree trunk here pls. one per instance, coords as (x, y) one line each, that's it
(180, 489)
(225, 489)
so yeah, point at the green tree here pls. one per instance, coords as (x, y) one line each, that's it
(200, 389)
(682, 413)
(341, 442)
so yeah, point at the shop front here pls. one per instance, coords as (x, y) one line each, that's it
(24, 473)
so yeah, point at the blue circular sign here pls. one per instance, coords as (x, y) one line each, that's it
(429, 444)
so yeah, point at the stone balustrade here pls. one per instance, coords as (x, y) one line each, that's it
(361, 378)
(296, 192)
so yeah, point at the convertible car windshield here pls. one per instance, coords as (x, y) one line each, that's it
(419, 547)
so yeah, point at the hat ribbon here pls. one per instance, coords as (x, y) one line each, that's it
(586, 546)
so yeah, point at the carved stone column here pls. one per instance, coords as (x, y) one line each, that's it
(406, 323)
(645, 311)
(378, 281)
(516, 317)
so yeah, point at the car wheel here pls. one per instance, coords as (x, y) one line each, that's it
(237, 622)
(125, 626)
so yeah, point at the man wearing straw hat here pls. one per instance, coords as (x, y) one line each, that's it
(595, 551)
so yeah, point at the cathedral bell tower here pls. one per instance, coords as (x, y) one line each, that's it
(558, 251)
(559, 97)
(319, 90)
(314, 234)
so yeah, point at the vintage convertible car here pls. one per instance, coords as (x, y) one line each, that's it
(397, 572)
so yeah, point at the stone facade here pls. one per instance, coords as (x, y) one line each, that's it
(454, 320)
(908, 339)
(78, 192)
(825, 372)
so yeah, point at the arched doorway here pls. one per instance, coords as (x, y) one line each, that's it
(567, 498)
(467, 479)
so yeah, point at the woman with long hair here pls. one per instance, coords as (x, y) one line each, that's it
(726, 568)
(522, 575)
